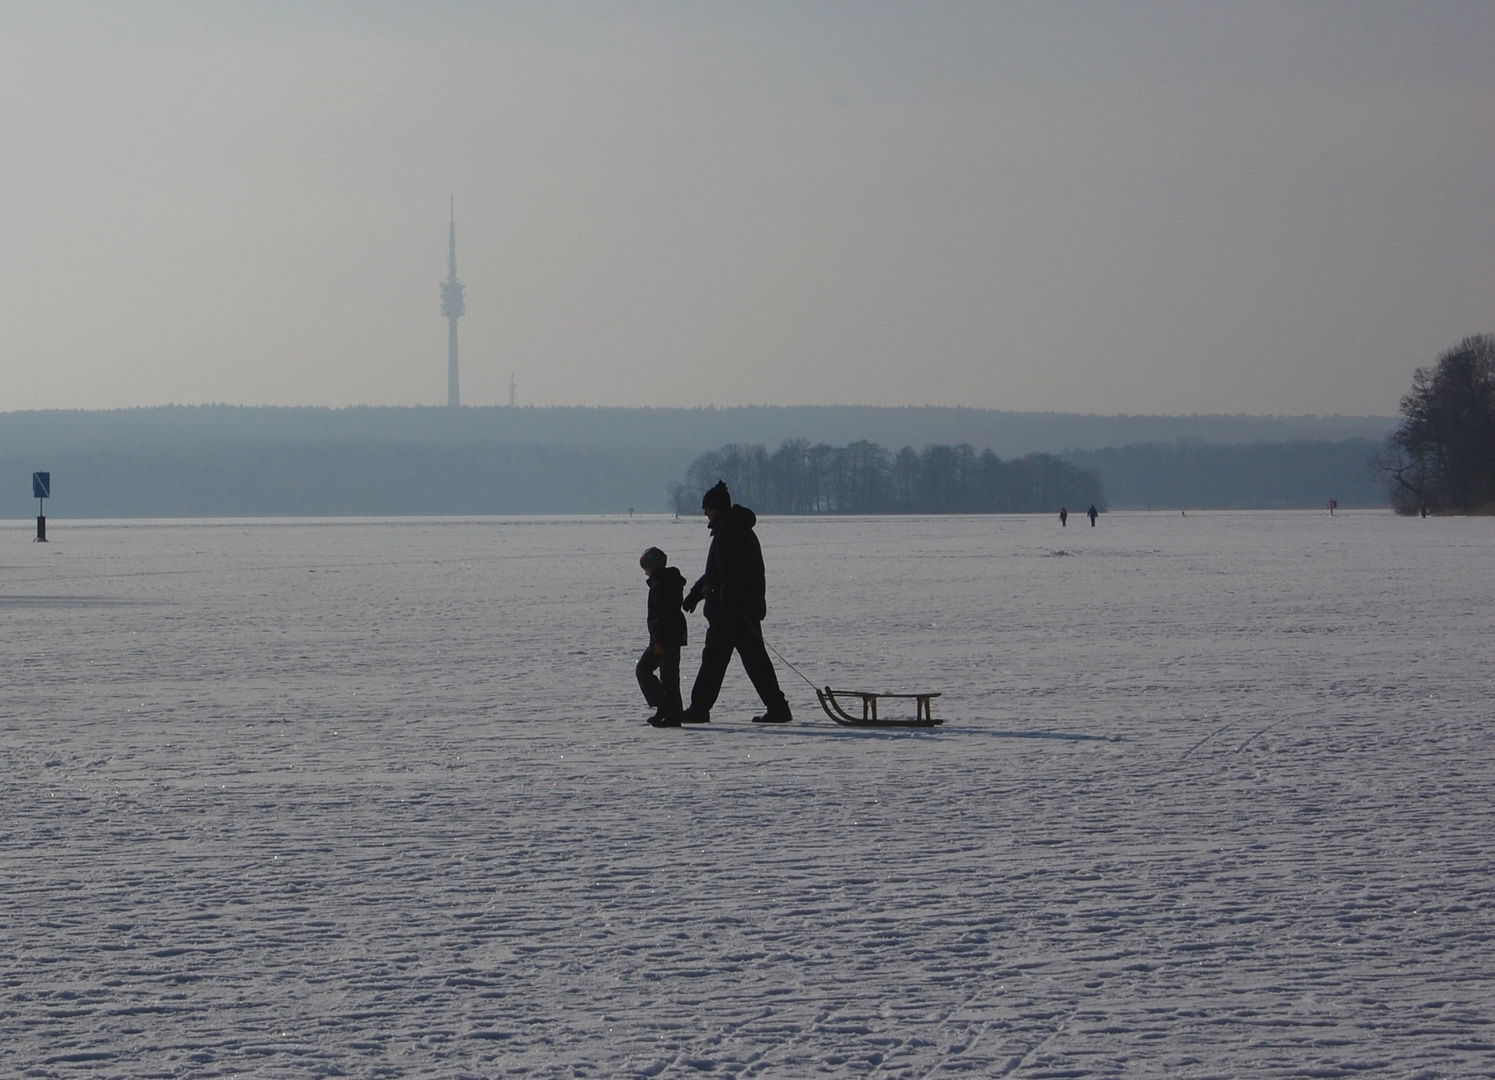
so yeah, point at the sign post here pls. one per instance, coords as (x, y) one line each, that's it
(41, 491)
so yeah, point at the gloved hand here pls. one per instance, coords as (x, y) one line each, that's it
(658, 650)
(690, 602)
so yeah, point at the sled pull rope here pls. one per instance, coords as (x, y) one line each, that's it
(827, 698)
(786, 662)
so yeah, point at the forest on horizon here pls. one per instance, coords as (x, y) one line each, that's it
(1009, 434)
(233, 461)
(398, 478)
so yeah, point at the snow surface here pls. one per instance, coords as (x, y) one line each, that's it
(375, 798)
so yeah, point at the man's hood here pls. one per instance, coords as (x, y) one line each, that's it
(738, 517)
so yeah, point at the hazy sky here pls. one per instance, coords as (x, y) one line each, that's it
(1110, 207)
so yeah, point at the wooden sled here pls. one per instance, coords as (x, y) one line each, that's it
(869, 718)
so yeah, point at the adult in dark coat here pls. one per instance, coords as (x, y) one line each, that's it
(734, 590)
(666, 637)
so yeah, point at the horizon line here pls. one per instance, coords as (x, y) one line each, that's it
(446, 409)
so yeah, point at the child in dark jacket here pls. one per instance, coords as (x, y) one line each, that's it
(666, 637)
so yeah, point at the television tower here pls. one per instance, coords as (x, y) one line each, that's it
(452, 309)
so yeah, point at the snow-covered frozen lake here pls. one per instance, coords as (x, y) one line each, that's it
(1215, 796)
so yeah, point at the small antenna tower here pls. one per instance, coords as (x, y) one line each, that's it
(512, 399)
(453, 306)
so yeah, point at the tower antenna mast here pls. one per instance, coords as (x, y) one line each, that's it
(453, 307)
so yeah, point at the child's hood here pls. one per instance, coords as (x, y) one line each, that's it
(668, 578)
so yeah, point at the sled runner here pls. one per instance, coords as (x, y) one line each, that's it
(869, 717)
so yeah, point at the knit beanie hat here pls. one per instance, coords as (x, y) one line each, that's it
(653, 560)
(718, 498)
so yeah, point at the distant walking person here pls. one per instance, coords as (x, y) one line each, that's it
(666, 637)
(734, 589)
(1063, 516)
(1093, 513)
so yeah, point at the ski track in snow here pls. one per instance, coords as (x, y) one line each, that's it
(375, 798)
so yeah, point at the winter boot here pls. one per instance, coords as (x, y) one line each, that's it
(693, 715)
(779, 714)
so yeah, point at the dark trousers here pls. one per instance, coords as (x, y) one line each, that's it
(661, 691)
(747, 638)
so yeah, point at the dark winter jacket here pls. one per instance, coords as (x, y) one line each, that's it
(666, 620)
(733, 584)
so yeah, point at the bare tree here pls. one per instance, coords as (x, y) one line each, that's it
(793, 483)
(1442, 456)
(868, 471)
(906, 479)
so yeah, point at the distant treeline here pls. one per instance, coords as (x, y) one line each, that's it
(353, 478)
(691, 430)
(865, 478)
(1259, 476)
(396, 477)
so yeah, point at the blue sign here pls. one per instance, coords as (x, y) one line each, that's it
(41, 485)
